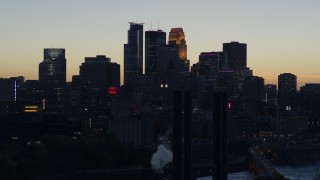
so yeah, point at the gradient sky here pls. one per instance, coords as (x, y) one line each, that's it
(281, 35)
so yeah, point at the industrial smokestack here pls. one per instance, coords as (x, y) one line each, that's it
(187, 143)
(177, 135)
(182, 153)
(220, 149)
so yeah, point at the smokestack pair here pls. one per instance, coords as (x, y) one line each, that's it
(182, 139)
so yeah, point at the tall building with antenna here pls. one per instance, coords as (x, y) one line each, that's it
(133, 54)
(153, 40)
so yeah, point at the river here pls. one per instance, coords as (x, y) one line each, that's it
(301, 172)
(244, 175)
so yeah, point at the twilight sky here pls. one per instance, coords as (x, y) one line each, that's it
(281, 35)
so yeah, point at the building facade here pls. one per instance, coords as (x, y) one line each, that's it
(9, 88)
(270, 98)
(133, 54)
(99, 71)
(177, 37)
(53, 66)
(253, 94)
(209, 65)
(236, 54)
(287, 84)
(153, 40)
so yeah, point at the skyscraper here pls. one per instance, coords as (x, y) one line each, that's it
(99, 71)
(253, 94)
(270, 96)
(209, 65)
(232, 80)
(133, 54)
(287, 84)
(270, 93)
(168, 58)
(177, 37)
(91, 92)
(311, 104)
(49, 96)
(53, 66)
(154, 39)
(236, 54)
(8, 88)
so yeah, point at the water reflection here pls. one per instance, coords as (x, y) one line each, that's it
(301, 172)
(245, 175)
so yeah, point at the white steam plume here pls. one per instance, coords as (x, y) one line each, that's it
(160, 158)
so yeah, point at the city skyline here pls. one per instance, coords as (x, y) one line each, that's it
(281, 37)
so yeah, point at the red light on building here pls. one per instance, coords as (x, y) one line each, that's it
(229, 105)
(113, 91)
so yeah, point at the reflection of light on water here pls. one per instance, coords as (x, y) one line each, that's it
(244, 175)
(302, 172)
(306, 172)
